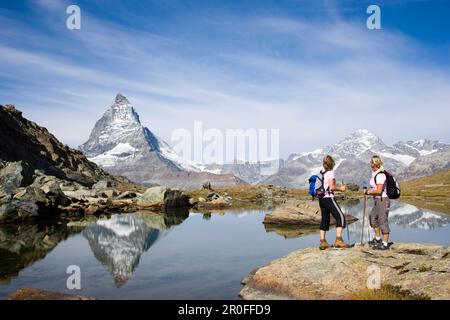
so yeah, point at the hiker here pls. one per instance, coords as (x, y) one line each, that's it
(378, 217)
(328, 205)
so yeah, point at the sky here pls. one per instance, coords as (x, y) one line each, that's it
(311, 69)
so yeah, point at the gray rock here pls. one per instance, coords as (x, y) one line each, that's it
(16, 210)
(12, 176)
(171, 198)
(31, 193)
(102, 185)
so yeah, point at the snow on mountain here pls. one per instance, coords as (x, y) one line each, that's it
(403, 158)
(422, 147)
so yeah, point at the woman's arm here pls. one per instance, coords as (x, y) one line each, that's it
(332, 184)
(376, 192)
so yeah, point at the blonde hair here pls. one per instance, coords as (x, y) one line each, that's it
(328, 163)
(376, 160)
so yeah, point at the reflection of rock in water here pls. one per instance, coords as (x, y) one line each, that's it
(119, 242)
(290, 231)
(21, 245)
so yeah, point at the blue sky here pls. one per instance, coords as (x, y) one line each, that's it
(309, 68)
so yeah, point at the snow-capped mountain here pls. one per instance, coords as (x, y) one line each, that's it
(120, 138)
(421, 147)
(123, 146)
(352, 155)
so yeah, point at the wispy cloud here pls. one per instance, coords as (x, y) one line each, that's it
(307, 77)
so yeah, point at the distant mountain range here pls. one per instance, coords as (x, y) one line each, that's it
(122, 145)
(406, 159)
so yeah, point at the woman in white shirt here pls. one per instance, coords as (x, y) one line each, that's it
(379, 215)
(329, 206)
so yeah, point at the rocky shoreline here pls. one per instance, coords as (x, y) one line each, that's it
(50, 197)
(411, 271)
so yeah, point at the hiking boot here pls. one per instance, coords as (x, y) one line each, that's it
(339, 243)
(380, 246)
(374, 241)
(323, 245)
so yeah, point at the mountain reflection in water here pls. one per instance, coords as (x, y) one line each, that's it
(118, 242)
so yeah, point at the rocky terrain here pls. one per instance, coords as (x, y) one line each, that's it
(120, 144)
(37, 149)
(37, 294)
(408, 271)
(42, 178)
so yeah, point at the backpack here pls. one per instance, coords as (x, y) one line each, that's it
(391, 184)
(314, 190)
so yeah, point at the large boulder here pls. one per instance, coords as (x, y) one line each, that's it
(50, 185)
(16, 210)
(169, 198)
(12, 176)
(41, 198)
(102, 185)
(408, 271)
(299, 212)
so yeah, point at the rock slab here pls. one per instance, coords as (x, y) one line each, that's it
(419, 269)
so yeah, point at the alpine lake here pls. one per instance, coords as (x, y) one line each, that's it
(180, 255)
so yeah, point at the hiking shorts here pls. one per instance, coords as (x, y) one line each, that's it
(329, 206)
(379, 215)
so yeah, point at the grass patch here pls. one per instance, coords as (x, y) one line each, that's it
(386, 292)
(423, 268)
(436, 185)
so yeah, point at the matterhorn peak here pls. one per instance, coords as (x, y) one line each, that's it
(121, 99)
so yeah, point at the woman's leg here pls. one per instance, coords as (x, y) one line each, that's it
(384, 219)
(339, 216)
(322, 234)
(374, 219)
(324, 224)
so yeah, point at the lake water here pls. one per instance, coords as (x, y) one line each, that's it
(185, 255)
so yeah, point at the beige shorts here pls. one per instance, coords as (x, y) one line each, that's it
(379, 215)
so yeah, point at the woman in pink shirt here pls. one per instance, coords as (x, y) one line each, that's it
(329, 206)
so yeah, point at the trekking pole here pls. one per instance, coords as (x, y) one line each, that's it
(364, 215)
(346, 214)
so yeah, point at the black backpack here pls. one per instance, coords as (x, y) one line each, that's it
(392, 185)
